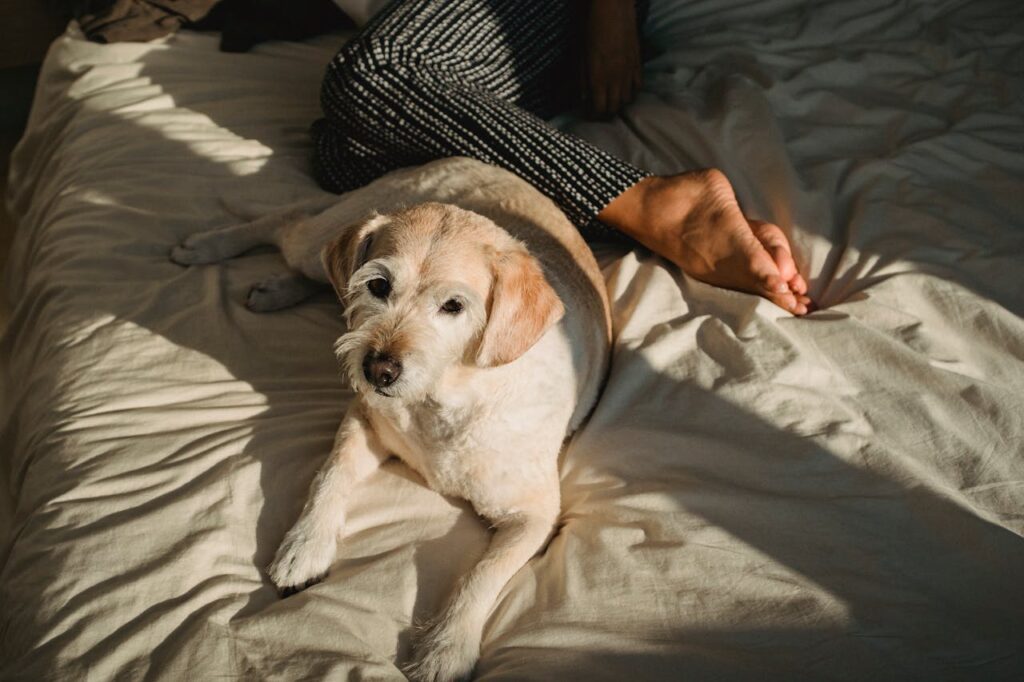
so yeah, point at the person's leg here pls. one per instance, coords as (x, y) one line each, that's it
(427, 80)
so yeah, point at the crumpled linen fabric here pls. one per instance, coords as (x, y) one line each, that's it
(755, 497)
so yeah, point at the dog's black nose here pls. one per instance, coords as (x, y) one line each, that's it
(381, 370)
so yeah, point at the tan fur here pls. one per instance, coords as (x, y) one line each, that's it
(523, 306)
(484, 399)
(339, 255)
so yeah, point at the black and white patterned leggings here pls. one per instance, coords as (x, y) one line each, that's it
(428, 79)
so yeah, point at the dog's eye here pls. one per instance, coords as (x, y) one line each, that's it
(452, 306)
(379, 287)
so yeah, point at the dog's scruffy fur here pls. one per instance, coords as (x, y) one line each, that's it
(477, 341)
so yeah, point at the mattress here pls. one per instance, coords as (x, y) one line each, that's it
(756, 496)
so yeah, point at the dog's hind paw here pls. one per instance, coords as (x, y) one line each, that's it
(443, 653)
(279, 292)
(194, 251)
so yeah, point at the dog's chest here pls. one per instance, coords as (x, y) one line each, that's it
(437, 439)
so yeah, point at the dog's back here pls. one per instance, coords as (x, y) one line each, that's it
(568, 264)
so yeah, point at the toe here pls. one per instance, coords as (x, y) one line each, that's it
(787, 302)
(765, 278)
(798, 284)
(780, 295)
(775, 242)
(776, 290)
(757, 272)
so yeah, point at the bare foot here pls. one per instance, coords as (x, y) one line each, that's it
(694, 220)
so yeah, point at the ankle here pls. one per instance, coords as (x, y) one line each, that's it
(655, 204)
(629, 211)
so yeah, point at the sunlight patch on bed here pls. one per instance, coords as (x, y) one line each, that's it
(126, 92)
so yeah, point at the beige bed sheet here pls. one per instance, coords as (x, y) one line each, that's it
(838, 497)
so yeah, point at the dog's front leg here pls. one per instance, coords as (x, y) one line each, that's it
(309, 547)
(448, 648)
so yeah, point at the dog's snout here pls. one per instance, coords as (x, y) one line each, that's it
(381, 370)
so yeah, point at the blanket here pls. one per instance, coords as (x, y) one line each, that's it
(756, 496)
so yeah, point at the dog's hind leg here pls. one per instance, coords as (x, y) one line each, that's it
(448, 648)
(220, 244)
(249, 202)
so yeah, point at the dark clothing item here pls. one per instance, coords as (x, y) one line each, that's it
(113, 21)
(242, 23)
(426, 80)
(245, 23)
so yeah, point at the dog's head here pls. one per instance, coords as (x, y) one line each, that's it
(432, 288)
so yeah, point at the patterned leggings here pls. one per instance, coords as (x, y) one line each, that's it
(428, 79)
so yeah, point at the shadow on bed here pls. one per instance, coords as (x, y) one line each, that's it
(907, 563)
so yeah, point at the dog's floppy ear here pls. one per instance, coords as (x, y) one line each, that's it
(344, 255)
(523, 307)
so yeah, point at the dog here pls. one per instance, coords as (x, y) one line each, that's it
(478, 333)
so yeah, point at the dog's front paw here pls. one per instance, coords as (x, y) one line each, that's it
(302, 560)
(444, 652)
(197, 249)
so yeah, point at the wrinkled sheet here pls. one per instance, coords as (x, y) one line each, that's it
(756, 496)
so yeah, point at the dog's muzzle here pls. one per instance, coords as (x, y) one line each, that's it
(380, 369)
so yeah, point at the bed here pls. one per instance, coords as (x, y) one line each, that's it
(756, 496)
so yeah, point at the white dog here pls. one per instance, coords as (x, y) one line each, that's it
(472, 356)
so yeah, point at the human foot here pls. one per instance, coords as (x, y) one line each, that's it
(694, 220)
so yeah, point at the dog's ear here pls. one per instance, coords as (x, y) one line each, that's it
(344, 255)
(523, 307)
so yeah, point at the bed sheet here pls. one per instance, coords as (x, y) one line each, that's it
(755, 497)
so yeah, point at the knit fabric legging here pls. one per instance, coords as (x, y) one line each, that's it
(428, 79)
